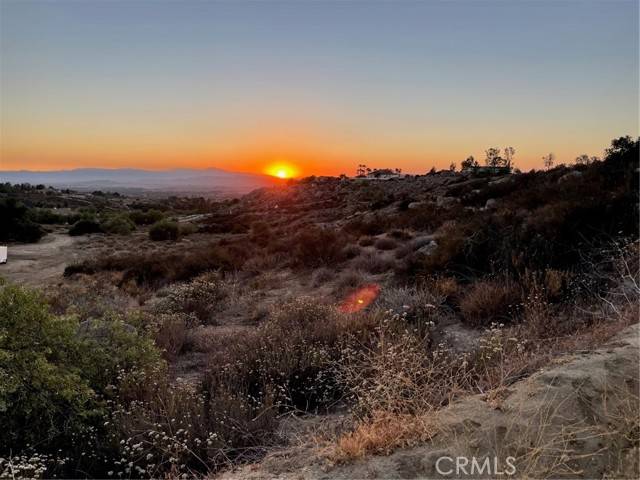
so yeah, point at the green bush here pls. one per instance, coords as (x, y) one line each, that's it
(59, 379)
(41, 378)
(85, 226)
(16, 222)
(187, 229)
(118, 224)
(148, 217)
(164, 230)
(46, 216)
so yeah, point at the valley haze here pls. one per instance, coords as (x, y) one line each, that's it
(186, 181)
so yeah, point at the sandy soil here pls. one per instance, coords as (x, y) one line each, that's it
(41, 263)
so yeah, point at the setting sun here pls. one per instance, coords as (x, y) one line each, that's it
(281, 170)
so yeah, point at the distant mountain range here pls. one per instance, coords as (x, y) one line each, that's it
(181, 180)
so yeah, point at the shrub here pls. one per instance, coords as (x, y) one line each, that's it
(322, 275)
(46, 216)
(152, 270)
(118, 224)
(171, 333)
(202, 297)
(85, 226)
(71, 372)
(164, 230)
(38, 350)
(370, 226)
(286, 363)
(490, 301)
(315, 247)
(372, 263)
(260, 233)
(16, 224)
(348, 281)
(419, 306)
(187, 229)
(148, 217)
(366, 241)
(385, 244)
(351, 251)
(400, 234)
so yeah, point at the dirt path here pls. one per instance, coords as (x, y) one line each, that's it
(40, 263)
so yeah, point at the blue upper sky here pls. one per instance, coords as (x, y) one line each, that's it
(322, 84)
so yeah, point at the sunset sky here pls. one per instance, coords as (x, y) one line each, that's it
(322, 86)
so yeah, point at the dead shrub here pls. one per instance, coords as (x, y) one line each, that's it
(171, 334)
(348, 281)
(420, 307)
(489, 301)
(315, 247)
(153, 270)
(260, 233)
(321, 276)
(285, 363)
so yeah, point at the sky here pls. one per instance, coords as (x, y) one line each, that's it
(321, 86)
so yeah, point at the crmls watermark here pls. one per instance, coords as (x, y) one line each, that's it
(461, 466)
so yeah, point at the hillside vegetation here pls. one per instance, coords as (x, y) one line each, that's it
(371, 304)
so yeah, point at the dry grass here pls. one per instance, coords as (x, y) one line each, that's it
(373, 263)
(400, 375)
(382, 434)
(490, 301)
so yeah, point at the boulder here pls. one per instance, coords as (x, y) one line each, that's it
(428, 248)
(491, 203)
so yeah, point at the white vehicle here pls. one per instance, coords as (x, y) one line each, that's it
(3, 254)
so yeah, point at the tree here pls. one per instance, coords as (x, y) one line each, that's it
(619, 146)
(470, 162)
(586, 159)
(452, 167)
(361, 171)
(549, 160)
(509, 153)
(493, 158)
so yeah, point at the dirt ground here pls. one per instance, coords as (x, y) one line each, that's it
(42, 263)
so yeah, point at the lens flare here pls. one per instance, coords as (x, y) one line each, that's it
(360, 299)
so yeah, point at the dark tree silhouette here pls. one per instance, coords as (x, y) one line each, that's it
(470, 162)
